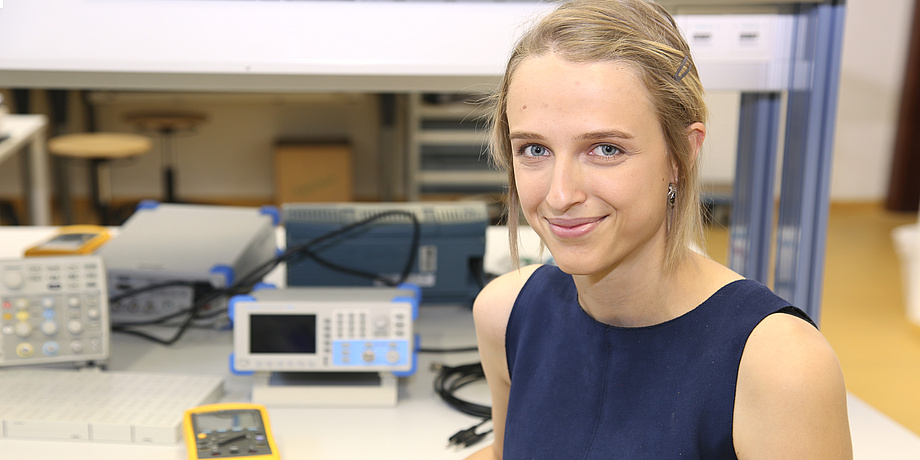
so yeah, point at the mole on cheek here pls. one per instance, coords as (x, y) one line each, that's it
(524, 107)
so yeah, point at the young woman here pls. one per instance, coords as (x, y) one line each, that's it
(634, 345)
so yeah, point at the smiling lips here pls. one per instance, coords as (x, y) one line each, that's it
(573, 228)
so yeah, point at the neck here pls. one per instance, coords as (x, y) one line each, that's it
(633, 296)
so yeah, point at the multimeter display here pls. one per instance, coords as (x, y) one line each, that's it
(232, 432)
(71, 239)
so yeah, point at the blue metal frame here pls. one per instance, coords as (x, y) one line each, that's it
(801, 236)
(755, 176)
(805, 193)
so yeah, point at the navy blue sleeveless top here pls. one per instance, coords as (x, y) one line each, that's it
(581, 389)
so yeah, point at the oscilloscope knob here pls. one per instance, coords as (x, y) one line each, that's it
(49, 327)
(74, 327)
(13, 279)
(23, 329)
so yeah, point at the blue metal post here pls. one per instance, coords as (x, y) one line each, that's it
(755, 175)
(811, 114)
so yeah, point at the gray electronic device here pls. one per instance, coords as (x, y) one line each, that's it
(204, 246)
(54, 310)
(325, 329)
(325, 346)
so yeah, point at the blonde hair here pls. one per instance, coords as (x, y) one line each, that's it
(643, 34)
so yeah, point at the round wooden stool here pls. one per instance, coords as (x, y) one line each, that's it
(167, 124)
(100, 149)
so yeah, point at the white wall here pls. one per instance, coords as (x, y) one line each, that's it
(231, 155)
(875, 48)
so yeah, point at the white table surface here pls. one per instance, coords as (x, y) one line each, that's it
(417, 428)
(30, 130)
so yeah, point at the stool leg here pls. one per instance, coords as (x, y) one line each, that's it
(101, 189)
(169, 184)
(62, 179)
(169, 165)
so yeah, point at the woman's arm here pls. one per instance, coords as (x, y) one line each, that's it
(491, 311)
(791, 398)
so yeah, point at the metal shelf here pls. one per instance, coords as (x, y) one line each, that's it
(447, 145)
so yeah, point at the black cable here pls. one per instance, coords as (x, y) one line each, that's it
(468, 437)
(183, 327)
(150, 287)
(248, 281)
(448, 381)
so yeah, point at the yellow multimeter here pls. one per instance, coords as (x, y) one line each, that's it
(229, 430)
(71, 239)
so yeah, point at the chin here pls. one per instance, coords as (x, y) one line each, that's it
(574, 265)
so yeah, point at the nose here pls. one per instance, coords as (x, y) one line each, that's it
(567, 186)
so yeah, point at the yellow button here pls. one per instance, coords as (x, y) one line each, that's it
(7, 316)
(202, 435)
(22, 316)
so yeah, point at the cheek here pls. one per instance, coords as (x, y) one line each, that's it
(629, 193)
(530, 187)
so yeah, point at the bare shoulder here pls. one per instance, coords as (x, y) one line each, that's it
(491, 312)
(492, 306)
(791, 397)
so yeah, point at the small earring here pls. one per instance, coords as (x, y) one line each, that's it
(672, 198)
(672, 195)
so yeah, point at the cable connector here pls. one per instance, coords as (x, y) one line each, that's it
(468, 437)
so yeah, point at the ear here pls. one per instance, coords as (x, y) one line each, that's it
(696, 133)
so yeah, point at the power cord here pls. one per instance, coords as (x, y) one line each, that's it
(468, 437)
(247, 282)
(448, 381)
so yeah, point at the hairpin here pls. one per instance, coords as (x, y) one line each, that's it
(683, 69)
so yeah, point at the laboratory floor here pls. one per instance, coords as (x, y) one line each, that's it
(863, 309)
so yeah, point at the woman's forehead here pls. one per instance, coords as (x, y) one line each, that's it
(548, 84)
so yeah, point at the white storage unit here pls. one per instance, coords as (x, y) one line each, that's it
(448, 147)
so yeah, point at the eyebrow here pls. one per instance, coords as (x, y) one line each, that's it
(596, 135)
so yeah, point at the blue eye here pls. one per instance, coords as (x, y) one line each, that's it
(607, 150)
(534, 150)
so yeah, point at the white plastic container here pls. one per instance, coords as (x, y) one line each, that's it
(907, 244)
